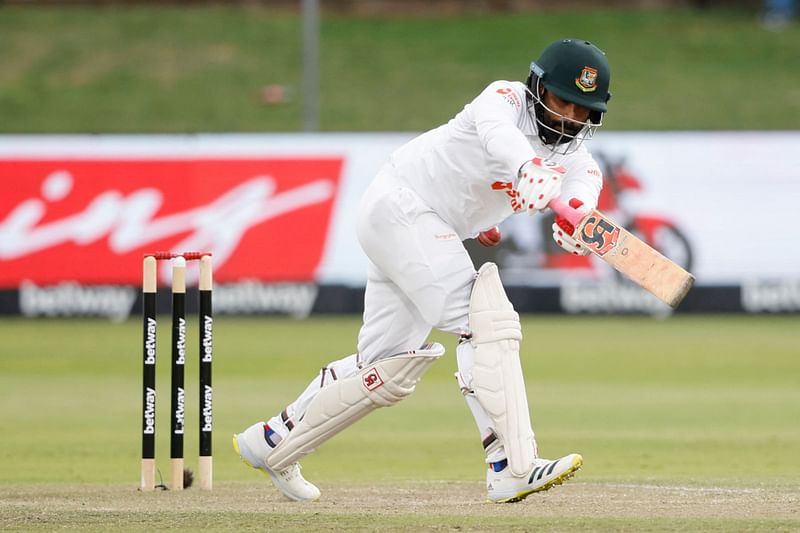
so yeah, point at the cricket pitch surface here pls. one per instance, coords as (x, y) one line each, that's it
(405, 506)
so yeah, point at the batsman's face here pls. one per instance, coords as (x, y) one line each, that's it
(563, 116)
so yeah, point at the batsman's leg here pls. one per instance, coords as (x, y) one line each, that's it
(258, 441)
(491, 379)
(276, 447)
(345, 390)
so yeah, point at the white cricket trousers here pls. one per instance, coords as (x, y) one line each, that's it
(420, 277)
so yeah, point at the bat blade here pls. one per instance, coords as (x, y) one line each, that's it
(631, 256)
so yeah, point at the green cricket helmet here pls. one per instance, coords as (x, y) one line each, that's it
(577, 71)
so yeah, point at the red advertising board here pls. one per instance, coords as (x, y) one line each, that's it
(91, 220)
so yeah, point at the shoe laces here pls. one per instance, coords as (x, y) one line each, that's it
(291, 472)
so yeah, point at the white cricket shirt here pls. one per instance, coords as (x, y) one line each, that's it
(465, 170)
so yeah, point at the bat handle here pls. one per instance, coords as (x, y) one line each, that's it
(572, 215)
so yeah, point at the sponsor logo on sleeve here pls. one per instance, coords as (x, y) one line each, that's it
(510, 96)
(508, 188)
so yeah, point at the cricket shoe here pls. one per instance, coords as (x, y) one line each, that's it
(252, 447)
(504, 487)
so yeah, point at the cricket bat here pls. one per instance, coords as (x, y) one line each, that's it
(628, 254)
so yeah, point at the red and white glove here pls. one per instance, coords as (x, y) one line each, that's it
(539, 182)
(490, 237)
(563, 231)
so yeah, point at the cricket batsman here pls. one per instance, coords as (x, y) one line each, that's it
(510, 151)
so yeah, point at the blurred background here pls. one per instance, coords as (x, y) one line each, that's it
(164, 109)
(383, 65)
(250, 129)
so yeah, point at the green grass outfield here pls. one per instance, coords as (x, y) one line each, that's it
(179, 69)
(675, 418)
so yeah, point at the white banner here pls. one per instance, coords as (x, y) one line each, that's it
(732, 193)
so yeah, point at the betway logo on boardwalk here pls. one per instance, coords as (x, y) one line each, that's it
(90, 221)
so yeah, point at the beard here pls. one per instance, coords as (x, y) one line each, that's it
(567, 127)
(555, 130)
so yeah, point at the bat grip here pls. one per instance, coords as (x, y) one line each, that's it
(572, 215)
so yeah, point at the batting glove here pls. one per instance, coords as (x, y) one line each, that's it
(539, 182)
(563, 231)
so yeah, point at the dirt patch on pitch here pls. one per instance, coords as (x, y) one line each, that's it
(236, 505)
(591, 499)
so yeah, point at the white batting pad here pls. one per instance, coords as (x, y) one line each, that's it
(344, 402)
(497, 378)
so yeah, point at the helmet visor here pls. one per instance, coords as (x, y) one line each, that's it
(561, 133)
